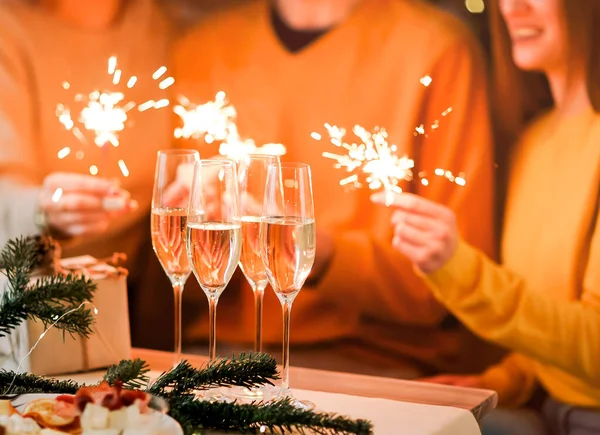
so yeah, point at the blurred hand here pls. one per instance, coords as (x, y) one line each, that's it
(468, 381)
(424, 231)
(77, 205)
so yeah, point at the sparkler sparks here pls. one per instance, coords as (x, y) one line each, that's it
(211, 120)
(215, 121)
(375, 161)
(105, 113)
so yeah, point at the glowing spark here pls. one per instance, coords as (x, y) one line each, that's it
(166, 83)
(161, 103)
(112, 65)
(124, 169)
(42, 335)
(215, 120)
(105, 117)
(159, 73)
(131, 82)
(117, 77)
(426, 81)
(57, 195)
(64, 152)
(374, 161)
(147, 105)
(104, 113)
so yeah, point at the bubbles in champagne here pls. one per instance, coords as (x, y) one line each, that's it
(168, 240)
(288, 252)
(250, 260)
(214, 251)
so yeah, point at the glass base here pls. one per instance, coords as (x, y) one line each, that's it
(297, 403)
(214, 395)
(264, 393)
(257, 394)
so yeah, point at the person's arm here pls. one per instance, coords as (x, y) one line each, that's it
(18, 194)
(364, 258)
(513, 379)
(499, 306)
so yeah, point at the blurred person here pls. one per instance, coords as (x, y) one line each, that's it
(543, 302)
(42, 45)
(289, 66)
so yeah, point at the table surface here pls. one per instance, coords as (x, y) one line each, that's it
(478, 402)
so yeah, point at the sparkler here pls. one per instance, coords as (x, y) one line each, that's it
(215, 120)
(105, 113)
(375, 160)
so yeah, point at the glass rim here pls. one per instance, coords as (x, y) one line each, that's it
(215, 162)
(291, 165)
(178, 152)
(257, 156)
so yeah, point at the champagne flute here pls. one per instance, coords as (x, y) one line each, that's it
(214, 233)
(172, 186)
(252, 177)
(288, 242)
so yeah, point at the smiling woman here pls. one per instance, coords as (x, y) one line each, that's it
(543, 303)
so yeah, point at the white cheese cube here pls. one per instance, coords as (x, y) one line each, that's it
(94, 417)
(118, 419)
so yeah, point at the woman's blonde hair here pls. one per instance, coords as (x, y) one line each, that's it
(518, 96)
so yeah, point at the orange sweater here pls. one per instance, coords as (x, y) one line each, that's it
(544, 303)
(365, 71)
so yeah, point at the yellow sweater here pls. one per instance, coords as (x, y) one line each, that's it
(365, 71)
(544, 302)
(37, 54)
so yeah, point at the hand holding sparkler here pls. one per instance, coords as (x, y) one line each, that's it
(424, 231)
(77, 205)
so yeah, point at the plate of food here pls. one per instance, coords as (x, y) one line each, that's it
(94, 410)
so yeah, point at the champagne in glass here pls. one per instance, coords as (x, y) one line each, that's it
(288, 244)
(252, 177)
(172, 186)
(214, 232)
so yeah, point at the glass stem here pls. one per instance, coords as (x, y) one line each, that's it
(178, 296)
(259, 293)
(287, 317)
(212, 337)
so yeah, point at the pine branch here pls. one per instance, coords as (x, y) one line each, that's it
(48, 299)
(132, 373)
(244, 370)
(24, 383)
(194, 415)
(276, 417)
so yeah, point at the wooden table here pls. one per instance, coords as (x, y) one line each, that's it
(479, 402)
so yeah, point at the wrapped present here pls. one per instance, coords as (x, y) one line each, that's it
(59, 353)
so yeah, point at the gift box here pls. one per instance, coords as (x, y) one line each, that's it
(58, 352)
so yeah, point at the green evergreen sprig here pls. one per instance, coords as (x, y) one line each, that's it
(244, 370)
(25, 383)
(177, 387)
(48, 299)
(132, 373)
(278, 417)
